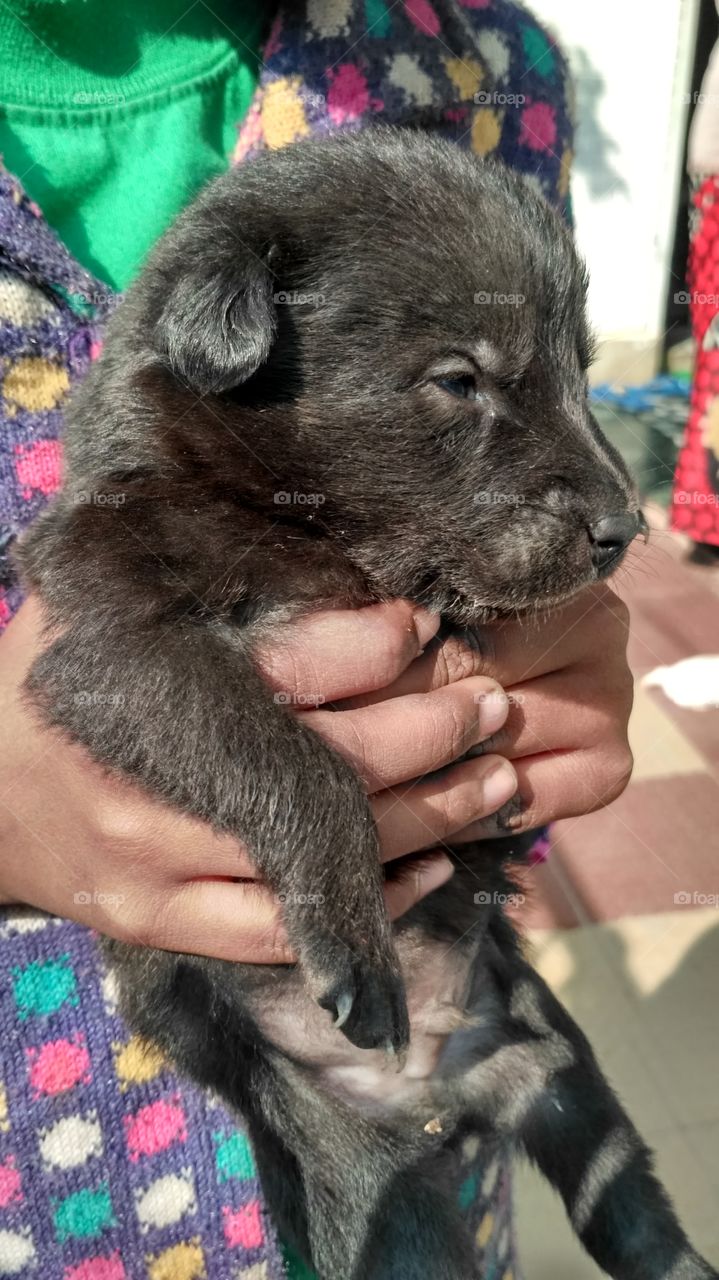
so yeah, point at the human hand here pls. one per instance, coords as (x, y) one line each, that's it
(570, 694)
(79, 842)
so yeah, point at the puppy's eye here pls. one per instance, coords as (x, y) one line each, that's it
(464, 386)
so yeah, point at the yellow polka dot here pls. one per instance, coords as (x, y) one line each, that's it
(486, 131)
(466, 75)
(283, 113)
(508, 1275)
(33, 383)
(565, 171)
(137, 1062)
(4, 1122)
(180, 1262)
(485, 1230)
(710, 427)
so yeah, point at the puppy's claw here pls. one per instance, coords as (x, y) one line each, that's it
(343, 1004)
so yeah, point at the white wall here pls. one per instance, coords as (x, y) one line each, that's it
(632, 63)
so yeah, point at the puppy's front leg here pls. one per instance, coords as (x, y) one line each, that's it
(178, 706)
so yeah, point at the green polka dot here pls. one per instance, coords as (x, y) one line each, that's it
(538, 51)
(377, 18)
(296, 1269)
(233, 1157)
(44, 986)
(468, 1191)
(83, 1214)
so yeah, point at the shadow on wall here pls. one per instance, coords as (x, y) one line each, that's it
(594, 146)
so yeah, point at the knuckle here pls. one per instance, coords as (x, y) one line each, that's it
(119, 824)
(455, 661)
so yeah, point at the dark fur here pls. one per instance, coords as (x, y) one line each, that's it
(211, 397)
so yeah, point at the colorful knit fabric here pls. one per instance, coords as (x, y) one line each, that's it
(695, 500)
(110, 1167)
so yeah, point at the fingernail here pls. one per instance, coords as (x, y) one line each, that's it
(493, 709)
(434, 871)
(498, 786)
(426, 625)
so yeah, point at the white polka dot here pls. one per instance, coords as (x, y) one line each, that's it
(470, 1148)
(71, 1141)
(17, 1252)
(490, 1178)
(25, 920)
(407, 75)
(110, 992)
(166, 1200)
(329, 17)
(495, 51)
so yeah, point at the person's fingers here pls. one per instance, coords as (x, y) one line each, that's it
(559, 784)
(390, 743)
(243, 921)
(591, 625)
(564, 710)
(338, 653)
(415, 879)
(431, 811)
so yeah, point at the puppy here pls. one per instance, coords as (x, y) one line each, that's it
(383, 321)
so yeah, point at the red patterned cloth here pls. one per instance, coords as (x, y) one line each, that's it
(695, 501)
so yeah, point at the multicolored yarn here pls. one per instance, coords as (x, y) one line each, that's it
(111, 1168)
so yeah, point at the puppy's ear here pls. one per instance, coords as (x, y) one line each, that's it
(218, 320)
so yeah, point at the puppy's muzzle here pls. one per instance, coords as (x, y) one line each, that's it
(611, 535)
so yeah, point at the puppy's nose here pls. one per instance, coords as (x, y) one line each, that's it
(610, 536)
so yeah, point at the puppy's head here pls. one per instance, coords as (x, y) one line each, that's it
(400, 330)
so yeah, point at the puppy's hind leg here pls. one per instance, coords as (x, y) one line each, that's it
(372, 1197)
(543, 1087)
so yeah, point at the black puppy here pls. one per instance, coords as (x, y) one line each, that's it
(384, 322)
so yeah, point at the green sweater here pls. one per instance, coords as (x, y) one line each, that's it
(114, 116)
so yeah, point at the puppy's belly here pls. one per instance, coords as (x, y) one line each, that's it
(437, 982)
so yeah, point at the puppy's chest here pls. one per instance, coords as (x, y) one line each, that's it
(437, 978)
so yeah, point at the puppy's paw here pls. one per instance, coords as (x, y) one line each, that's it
(365, 998)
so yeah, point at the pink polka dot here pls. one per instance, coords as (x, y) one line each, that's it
(97, 1269)
(96, 349)
(154, 1128)
(59, 1065)
(243, 1226)
(539, 127)
(10, 1188)
(423, 16)
(38, 467)
(5, 613)
(347, 95)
